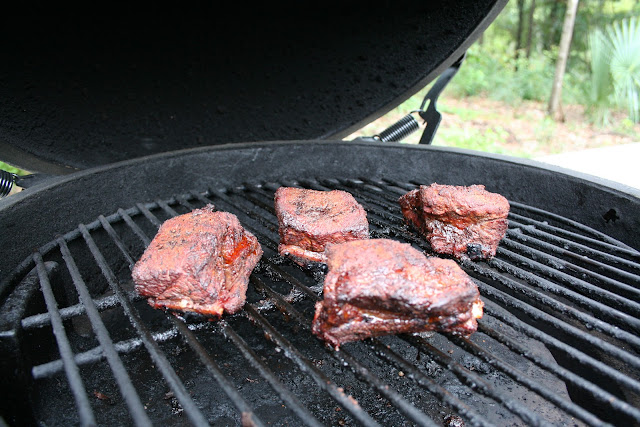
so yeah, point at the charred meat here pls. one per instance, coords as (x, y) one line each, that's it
(465, 222)
(198, 262)
(380, 286)
(310, 219)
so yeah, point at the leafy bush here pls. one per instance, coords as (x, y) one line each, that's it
(615, 70)
(501, 77)
(625, 64)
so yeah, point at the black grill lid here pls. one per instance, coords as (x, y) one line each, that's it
(82, 92)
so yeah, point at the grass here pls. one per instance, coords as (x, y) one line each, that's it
(12, 169)
(490, 140)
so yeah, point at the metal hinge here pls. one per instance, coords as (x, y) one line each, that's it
(431, 116)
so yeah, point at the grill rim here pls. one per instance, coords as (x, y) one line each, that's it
(123, 183)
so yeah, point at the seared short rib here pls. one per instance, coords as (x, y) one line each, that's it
(198, 262)
(465, 222)
(310, 219)
(380, 286)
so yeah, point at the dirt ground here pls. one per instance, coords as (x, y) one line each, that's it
(522, 130)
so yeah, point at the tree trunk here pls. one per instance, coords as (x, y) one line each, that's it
(520, 31)
(555, 108)
(551, 24)
(532, 9)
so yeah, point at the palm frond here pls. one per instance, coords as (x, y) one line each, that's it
(624, 37)
(600, 50)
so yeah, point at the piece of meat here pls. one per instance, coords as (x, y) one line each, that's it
(310, 219)
(380, 286)
(198, 262)
(465, 222)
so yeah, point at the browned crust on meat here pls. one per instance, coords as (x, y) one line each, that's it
(381, 286)
(198, 262)
(310, 219)
(466, 222)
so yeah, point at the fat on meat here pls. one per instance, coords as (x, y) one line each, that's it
(309, 220)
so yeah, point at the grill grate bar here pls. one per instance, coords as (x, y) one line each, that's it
(95, 354)
(514, 237)
(122, 378)
(161, 362)
(114, 237)
(565, 243)
(134, 227)
(562, 373)
(168, 209)
(305, 364)
(289, 398)
(577, 226)
(474, 381)
(604, 249)
(549, 303)
(539, 315)
(520, 377)
(344, 357)
(525, 413)
(576, 355)
(151, 217)
(280, 301)
(603, 310)
(64, 346)
(39, 320)
(549, 265)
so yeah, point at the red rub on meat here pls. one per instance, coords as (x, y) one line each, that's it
(465, 222)
(198, 262)
(380, 286)
(310, 219)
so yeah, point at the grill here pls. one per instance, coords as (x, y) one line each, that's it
(558, 343)
(130, 120)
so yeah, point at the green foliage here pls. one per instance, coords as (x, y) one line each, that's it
(625, 64)
(599, 93)
(615, 70)
(490, 140)
(603, 72)
(12, 169)
(504, 78)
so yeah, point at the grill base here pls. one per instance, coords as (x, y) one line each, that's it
(558, 342)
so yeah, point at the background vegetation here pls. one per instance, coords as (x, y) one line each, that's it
(513, 64)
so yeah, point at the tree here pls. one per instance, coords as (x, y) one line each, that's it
(519, 32)
(555, 108)
(532, 9)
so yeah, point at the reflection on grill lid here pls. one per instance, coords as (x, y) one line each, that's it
(558, 343)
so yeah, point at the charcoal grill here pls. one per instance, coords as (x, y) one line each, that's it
(558, 344)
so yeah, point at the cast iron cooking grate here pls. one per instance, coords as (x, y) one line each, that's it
(558, 344)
